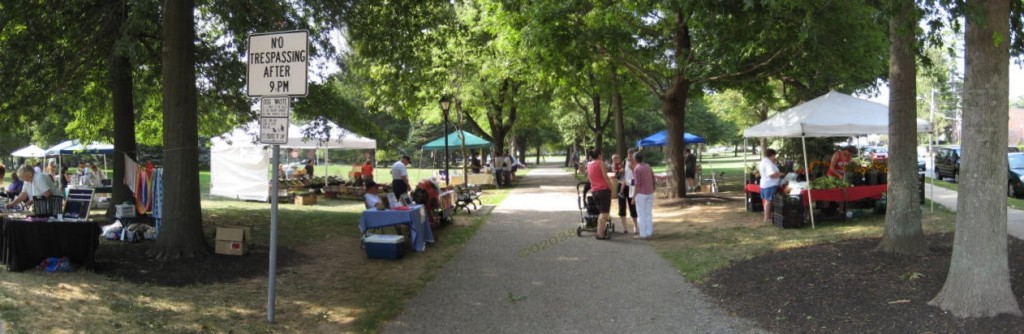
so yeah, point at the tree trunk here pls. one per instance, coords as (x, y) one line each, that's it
(520, 142)
(182, 234)
(903, 233)
(568, 154)
(673, 107)
(978, 284)
(598, 129)
(620, 127)
(537, 162)
(122, 96)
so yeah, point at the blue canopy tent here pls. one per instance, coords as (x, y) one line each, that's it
(70, 147)
(658, 139)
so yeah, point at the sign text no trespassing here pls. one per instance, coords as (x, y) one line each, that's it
(278, 63)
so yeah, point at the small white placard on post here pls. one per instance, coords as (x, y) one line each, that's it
(274, 130)
(275, 107)
(274, 121)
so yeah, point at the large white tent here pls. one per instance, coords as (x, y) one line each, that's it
(30, 151)
(240, 165)
(831, 115)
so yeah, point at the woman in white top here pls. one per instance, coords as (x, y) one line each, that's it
(627, 193)
(770, 179)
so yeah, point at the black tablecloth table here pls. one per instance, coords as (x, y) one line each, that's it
(24, 244)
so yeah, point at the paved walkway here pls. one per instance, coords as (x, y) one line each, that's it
(947, 198)
(578, 285)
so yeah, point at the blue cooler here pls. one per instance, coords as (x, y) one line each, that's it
(379, 246)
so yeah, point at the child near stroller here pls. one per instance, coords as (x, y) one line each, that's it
(589, 211)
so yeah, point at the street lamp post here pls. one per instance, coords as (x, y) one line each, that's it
(445, 104)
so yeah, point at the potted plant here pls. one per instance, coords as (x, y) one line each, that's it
(855, 171)
(753, 174)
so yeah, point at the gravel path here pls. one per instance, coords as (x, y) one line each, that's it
(575, 285)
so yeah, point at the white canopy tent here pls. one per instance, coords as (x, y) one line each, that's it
(831, 115)
(240, 165)
(30, 151)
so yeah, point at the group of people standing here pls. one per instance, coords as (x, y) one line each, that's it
(505, 166)
(635, 192)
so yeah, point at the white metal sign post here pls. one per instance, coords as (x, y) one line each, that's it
(278, 64)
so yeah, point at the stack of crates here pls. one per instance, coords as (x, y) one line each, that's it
(787, 211)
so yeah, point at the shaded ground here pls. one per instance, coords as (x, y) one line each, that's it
(846, 288)
(128, 261)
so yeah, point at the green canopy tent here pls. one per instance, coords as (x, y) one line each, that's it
(472, 141)
(455, 141)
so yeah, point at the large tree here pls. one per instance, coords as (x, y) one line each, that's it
(978, 284)
(676, 48)
(183, 230)
(903, 232)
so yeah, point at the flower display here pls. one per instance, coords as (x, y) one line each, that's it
(880, 166)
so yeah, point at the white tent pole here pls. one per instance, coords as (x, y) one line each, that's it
(744, 153)
(931, 156)
(810, 199)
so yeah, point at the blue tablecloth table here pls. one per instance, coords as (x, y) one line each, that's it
(414, 218)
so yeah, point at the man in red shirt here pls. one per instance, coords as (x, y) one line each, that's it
(367, 171)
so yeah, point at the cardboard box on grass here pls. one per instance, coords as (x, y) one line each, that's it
(231, 240)
(305, 199)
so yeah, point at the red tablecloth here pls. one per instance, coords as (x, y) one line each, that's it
(836, 195)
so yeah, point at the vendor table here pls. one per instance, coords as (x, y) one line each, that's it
(24, 243)
(414, 218)
(477, 179)
(848, 194)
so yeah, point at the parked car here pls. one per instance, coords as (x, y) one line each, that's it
(947, 163)
(878, 153)
(922, 161)
(1016, 185)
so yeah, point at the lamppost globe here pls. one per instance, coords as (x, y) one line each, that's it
(445, 104)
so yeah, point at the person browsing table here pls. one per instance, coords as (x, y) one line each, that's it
(36, 184)
(770, 179)
(400, 176)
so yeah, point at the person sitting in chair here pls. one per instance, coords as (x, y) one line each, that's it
(372, 196)
(14, 188)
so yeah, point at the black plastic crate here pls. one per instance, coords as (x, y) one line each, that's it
(788, 212)
(754, 203)
(791, 220)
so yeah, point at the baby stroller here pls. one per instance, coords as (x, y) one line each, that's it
(589, 211)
